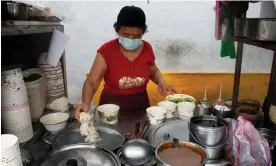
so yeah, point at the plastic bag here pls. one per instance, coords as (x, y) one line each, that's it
(246, 146)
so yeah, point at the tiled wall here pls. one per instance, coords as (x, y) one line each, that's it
(252, 85)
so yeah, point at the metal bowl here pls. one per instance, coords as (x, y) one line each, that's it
(182, 144)
(209, 130)
(18, 11)
(199, 111)
(270, 136)
(137, 151)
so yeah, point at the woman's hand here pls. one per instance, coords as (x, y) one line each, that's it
(163, 88)
(81, 108)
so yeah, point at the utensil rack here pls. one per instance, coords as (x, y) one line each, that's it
(271, 94)
(36, 32)
(29, 39)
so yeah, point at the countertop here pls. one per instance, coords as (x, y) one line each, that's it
(38, 148)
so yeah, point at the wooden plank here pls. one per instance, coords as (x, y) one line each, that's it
(262, 44)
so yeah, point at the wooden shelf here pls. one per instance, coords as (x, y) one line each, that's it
(11, 28)
(262, 44)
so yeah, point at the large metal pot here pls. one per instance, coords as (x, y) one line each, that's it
(182, 144)
(78, 155)
(207, 133)
(260, 29)
(18, 11)
(111, 137)
(214, 152)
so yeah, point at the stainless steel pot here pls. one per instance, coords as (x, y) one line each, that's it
(270, 136)
(207, 133)
(18, 11)
(78, 155)
(196, 148)
(199, 111)
(260, 29)
(214, 152)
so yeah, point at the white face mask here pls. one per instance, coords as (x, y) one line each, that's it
(130, 44)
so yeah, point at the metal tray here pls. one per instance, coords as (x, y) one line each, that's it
(111, 136)
(176, 129)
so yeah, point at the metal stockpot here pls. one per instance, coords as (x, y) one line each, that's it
(205, 134)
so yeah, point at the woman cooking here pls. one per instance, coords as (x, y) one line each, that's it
(126, 64)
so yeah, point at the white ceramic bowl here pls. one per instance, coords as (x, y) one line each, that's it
(156, 114)
(108, 113)
(186, 109)
(170, 107)
(55, 122)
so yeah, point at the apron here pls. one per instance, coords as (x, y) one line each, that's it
(132, 108)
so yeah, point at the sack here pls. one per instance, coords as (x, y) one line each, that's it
(246, 146)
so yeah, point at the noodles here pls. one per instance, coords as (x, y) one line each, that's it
(87, 129)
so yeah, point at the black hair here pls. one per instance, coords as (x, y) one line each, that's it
(131, 16)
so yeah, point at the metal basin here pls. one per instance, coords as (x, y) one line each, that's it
(214, 152)
(208, 130)
(182, 144)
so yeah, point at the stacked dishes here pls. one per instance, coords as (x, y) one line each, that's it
(36, 85)
(16, 118)
(54, 79)
(10, 152)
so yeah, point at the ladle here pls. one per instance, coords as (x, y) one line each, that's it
(176, 143)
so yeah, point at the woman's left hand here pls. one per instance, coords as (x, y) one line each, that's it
(163, 88)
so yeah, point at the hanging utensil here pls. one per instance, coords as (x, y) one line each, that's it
(176, 143)
(137, 130)
(205, 94)
(145, 130)
(219, 100)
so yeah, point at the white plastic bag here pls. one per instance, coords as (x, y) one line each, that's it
(246, 146)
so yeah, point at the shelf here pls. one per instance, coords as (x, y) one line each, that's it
(262, 44)
(11, 28)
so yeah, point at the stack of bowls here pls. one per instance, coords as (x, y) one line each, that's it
(16, 118)
(54, 79)
(185, 110)
(156, 115)
(170, 107)
(36, 85)
(10, 152)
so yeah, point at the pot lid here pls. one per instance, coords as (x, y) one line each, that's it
(169, 130)
(111, 136)
(80, 155)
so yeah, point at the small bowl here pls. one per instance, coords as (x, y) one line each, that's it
(249, 113)
(55, 122)
(222, 114)
(137, 151)
(199, 111)
(108, 113)
(250, 103)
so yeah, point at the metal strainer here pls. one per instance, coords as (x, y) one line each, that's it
(137, 151)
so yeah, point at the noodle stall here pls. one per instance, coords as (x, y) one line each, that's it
(181, 130)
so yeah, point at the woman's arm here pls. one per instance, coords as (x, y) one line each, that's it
(156, 75)
(91, 84)
(94, 79)
(158, 79)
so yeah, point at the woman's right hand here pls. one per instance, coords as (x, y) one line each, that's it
(81, 108)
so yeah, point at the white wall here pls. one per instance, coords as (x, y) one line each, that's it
(181, 33)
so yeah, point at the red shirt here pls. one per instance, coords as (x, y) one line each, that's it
(122, 75)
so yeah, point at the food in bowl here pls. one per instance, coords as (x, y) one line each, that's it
(108, 113)
(187, 154)
(54, 122)
(177, 98)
